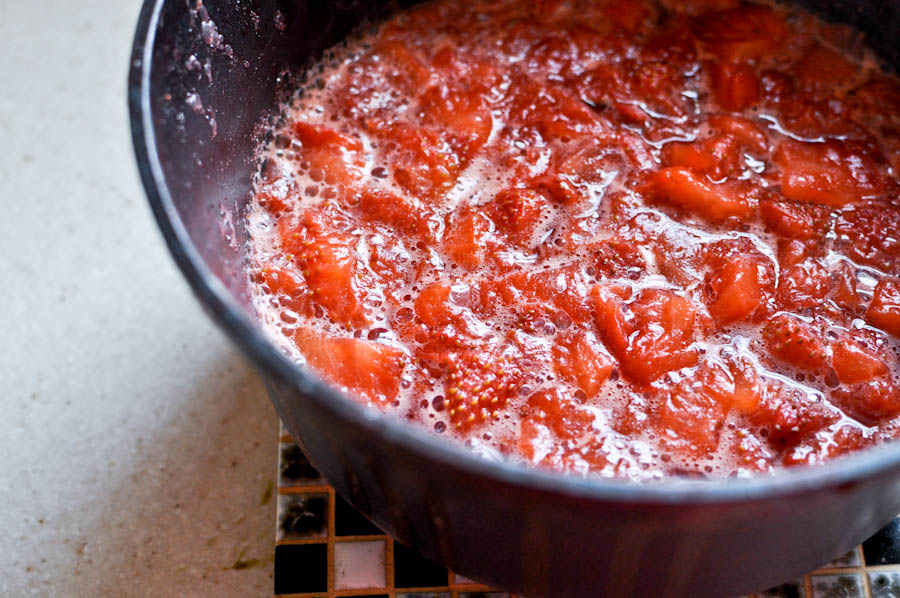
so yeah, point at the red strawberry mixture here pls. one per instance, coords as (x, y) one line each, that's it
(638, 239)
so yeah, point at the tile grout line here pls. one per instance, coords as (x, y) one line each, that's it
(332, 577)
(867, 587)
(389, 566)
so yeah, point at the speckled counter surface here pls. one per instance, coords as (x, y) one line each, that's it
(137, 448)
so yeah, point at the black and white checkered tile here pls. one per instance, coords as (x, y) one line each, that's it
(325, 549)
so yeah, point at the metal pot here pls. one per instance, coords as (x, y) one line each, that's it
(204, 79)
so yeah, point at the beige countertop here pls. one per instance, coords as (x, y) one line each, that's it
(138, 448)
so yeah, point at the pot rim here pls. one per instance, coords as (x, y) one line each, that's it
(247, 335)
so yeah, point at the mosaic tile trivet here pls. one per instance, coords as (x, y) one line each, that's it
(324, 549)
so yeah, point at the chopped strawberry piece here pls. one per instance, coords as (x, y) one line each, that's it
(796, 342)
(690, 154)
(522, 214)
(561, 187)
(434, 306)
(884, 310)
(550, 111)
(563, 288)
(823, 69)
(272, 201)
(691, 413)
(736, 291)
(683, 189)
(467, 238)
(734, 86)
(612, 321)
(618, 258)
(746, 32)
(329, 262)
(853, 363)
(795, 221)
(424, 163)
(802, 285)
(479, 385)
(843, 289)
(867, 235)
(579, 358)
(789, 414)
(291, 291)
(792, 252)
(369, 369)
(832, 173)
(651, 335)
(870, 402)
(746, 131)
(331, 157)
(402, 214)
(747, 385)
(401, 65)
(462, 114)
(718, 157)
(560, 413)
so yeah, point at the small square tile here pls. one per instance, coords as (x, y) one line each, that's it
(359, 565)
(350, 522)
(884, 547)
(885, 584)
(302, 516)
(301, 568)
(837, 586)
(412, 570)
(793, 589)
(295, 468)
(851, 559)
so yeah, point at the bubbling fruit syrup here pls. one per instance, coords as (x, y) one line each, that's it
(637, 239)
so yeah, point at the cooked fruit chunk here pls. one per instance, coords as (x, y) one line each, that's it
(369, 369)
(290, 291)
(854, 363)
(581, 360)
(424, 163)
(867, 235)
(736, 291)
(823, 69)
(328, 259)
(434, 307)
(683, 189)
(794, 220)
(830, 173)
(617, 258)
(884, 310)
(803, 285)
(746, 32)
(692, 412)
(480, 384)
(560, 413)
(404, 215)
(467, 237)
(461, 114)
(522, 214)
(788, 413)
(331, 157)
(796, 342)
(734, 86)
(869, 402)
(651, 335)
